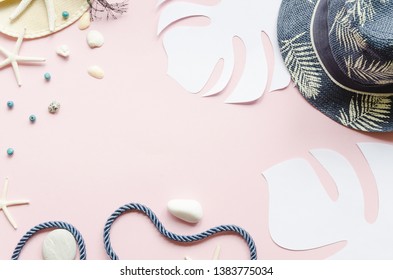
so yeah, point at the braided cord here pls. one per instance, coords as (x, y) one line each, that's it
(47, 225)
(172, 236)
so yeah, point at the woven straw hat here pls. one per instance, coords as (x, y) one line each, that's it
(340, 56)
(39, 17)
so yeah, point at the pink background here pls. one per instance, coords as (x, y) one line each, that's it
(137, 136)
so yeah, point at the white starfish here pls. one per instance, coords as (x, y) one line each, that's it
(4, 203)
(50, 8)
(216, 254)
(13, 58)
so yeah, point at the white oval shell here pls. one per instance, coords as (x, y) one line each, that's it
(186, 209)
(59, 244)
(95, 39)
(84, 21)
(63, 51)
(96, 72)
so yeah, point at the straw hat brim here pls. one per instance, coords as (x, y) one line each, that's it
(372, 113)
(35, 18)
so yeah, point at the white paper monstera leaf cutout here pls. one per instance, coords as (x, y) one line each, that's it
(194, 51)
(302, 216)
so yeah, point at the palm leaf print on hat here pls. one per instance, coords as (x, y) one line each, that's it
(348, 36)
(362, 10)
(303, 65)
(374, 71)
(366, 112)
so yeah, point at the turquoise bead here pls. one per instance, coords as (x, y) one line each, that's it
(32, 118)
(65, 14)
(10, 151)
(10, 104)
(47, 76)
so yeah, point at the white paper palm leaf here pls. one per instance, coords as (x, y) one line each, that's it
(303, 217)
(194, 51)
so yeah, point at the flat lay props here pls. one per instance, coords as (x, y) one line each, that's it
(60, 243)
(339, 55)
(40, 17)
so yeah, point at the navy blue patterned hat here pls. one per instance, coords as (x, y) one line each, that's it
(340, 56)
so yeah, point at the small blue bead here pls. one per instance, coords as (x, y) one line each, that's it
(10, 104)
(47, 76)
(65, 14)
(10, 151)
(32, 118)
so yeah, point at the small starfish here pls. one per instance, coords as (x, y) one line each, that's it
(4, 203)
(13, 58)
(216, 254)
(50, 8)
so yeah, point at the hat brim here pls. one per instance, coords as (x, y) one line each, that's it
(372, 113)
(35, 20)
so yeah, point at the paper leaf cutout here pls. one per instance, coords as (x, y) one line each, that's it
(302, 216)
(193, 52)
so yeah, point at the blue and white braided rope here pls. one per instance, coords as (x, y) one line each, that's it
(48, 225)
(172, 236)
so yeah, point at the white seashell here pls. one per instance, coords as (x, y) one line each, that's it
(54, 107)
(59, 244)
(186, 209)
(63, 51)
(95, 39)
(84, 21)
(96, 71)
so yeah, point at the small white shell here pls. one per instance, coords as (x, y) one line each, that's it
(96, 71)
(95, 39)
(186, 209)
(63, 51)
(59, 244)
(54, 107)
(84, 21)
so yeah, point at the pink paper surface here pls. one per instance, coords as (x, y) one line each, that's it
(137, 136)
